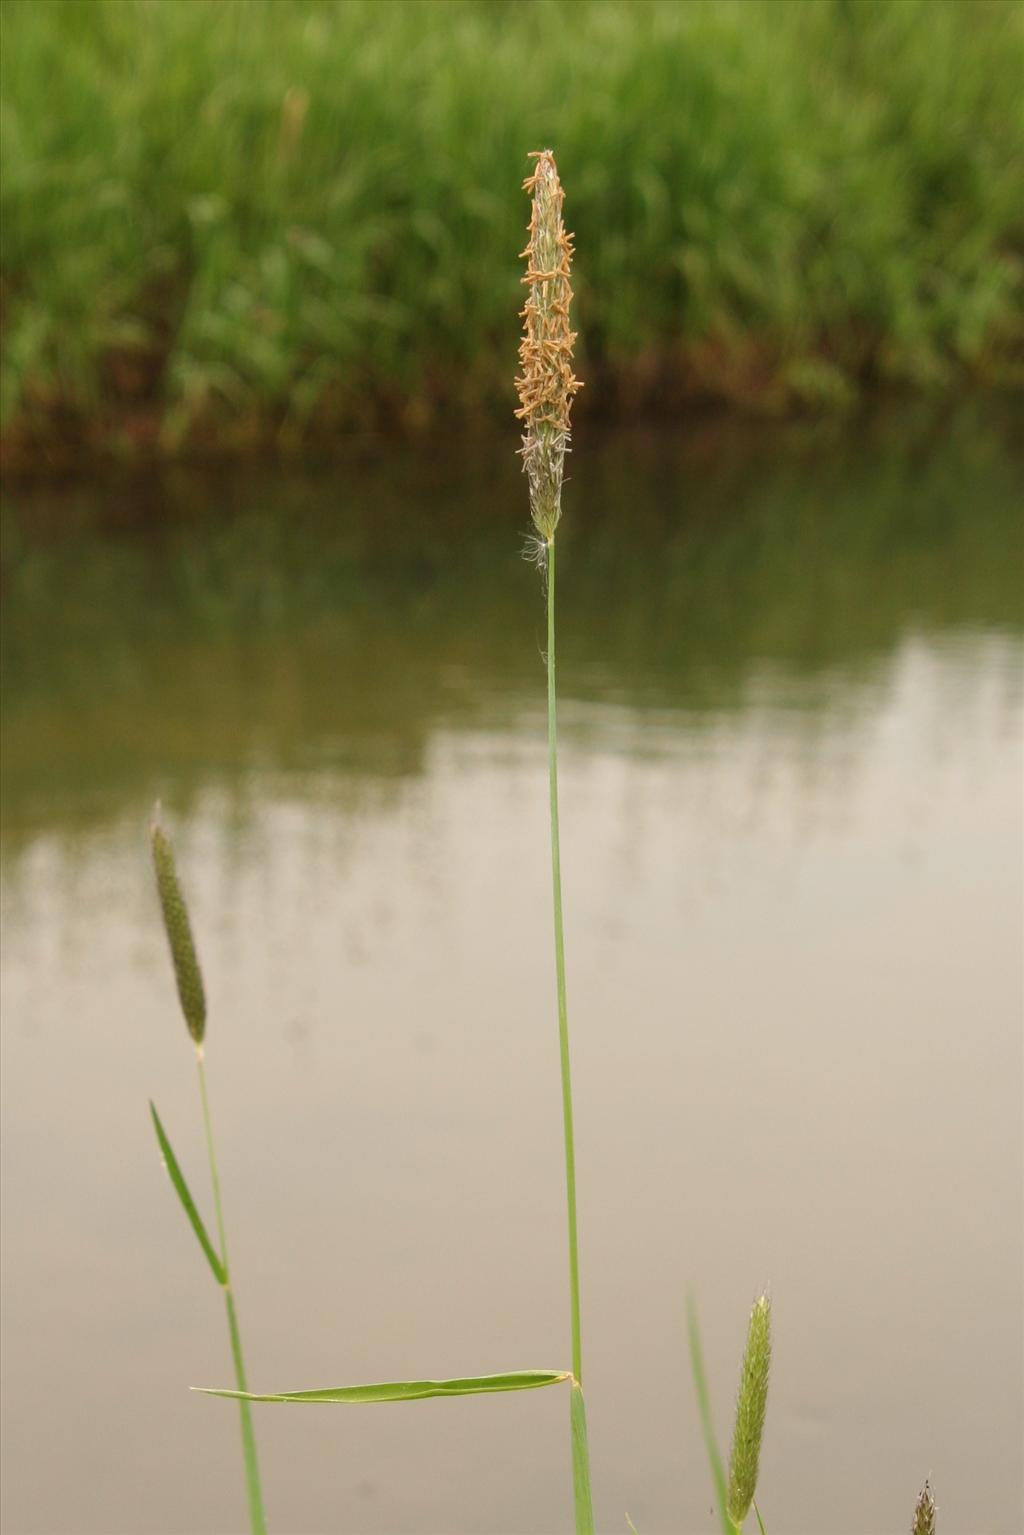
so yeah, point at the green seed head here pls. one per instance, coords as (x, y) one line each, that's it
(924, 1513)
(546, 383)
(179, 936)
(750, 1410)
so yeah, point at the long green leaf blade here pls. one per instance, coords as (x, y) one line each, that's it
(704, 1403)
(760, 1521)
(404, 1390)
(580, 1463)
(187, 1202)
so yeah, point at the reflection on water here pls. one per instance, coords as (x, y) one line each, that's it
(792, 820)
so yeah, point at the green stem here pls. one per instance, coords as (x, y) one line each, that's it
(563, 1016)
(257, 1518)
(581, 1453)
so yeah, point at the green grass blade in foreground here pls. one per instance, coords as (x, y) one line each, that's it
(187, 1202)
(760, 1521)
(580, 1463)
(704, 1403)
(405, 1390)
(254, 1489)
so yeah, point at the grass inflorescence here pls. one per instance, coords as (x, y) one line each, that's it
(223, 221)
(546, 383)
(751, 1405)
(179, 936)
(924, 1513)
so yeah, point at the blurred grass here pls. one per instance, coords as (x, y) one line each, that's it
(224, 218)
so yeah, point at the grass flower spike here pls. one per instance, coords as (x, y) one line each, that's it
(546, 386)
(924, 1513)
(546, 383)
(179, 936)
(750, 1411)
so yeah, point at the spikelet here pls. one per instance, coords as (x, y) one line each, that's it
(179, 935)
(750, 1410)
(924, 1513)
(546, 383)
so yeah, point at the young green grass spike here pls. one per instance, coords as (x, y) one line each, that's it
(750, 1412)
(179, 935)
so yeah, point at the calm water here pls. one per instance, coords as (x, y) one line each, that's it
(791, 671)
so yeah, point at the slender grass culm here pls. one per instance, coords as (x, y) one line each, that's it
(546, 386)
(193, 1005)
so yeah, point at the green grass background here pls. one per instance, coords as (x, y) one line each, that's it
(221, 216)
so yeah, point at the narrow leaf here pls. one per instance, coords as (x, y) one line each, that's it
(187, 1202)
(760, 1521)
(580, 1463)
(704, 1403)
(405, 1390)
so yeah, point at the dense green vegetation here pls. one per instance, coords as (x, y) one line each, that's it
(223, 218)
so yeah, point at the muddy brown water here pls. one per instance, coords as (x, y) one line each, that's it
(791, 816)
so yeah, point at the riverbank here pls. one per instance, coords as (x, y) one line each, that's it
(231, 228)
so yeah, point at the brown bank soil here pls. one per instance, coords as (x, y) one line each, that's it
(129, 419)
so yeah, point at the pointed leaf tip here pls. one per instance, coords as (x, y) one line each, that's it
(188, 1204)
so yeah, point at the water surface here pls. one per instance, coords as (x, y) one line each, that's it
(791, 674)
